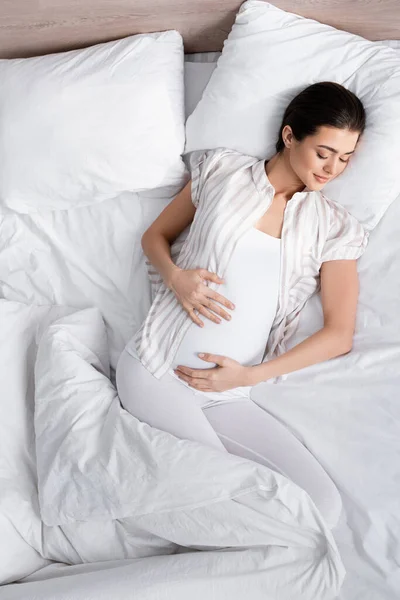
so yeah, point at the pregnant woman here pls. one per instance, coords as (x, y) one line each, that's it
(262, 239)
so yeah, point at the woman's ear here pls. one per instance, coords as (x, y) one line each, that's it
(287, 136)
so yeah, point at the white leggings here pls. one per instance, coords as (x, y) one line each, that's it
(240, 427)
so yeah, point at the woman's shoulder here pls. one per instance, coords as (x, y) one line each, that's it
(339, 214)
(331, 204)
(334, 207)
(219, 161)
(221, 154)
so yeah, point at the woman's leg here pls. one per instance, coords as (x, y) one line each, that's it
(249, 431)
(162, 403)
(239, 427)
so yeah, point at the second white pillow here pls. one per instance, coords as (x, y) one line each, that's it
(268, 58)
(83, 126)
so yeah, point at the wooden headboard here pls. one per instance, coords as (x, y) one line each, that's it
(34, 27)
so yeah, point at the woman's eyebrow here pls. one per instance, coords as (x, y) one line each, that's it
(333, 149)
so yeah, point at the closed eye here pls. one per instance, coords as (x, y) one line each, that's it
(325, 157)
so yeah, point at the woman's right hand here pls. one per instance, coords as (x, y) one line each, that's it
(193, 294)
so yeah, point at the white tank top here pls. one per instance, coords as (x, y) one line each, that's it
(252, 284)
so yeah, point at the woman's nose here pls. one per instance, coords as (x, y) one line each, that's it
(332, 168)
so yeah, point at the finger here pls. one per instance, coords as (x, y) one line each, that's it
(186, 378)
(194, 317)
(211, 276)
(198, 384)
(208, 314)
(204, 388)
(219, 298)
(215, 358)
(193, 373)
(217, 309)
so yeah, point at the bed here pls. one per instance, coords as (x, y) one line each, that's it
(74, 287)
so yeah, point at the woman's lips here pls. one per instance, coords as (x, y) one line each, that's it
(321, 179)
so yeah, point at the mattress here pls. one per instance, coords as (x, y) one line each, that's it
(345, 411)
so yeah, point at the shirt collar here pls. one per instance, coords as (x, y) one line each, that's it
(262, 182)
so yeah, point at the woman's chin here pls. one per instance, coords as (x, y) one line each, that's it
(315, 185)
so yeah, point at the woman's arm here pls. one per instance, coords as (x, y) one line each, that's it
(339, 295)
(157, 239)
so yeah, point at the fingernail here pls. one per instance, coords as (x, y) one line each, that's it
(201, 354)
(229, 317)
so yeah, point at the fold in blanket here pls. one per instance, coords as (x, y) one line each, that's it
(112, 487)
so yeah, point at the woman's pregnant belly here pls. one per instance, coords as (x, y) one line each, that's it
(252, 284)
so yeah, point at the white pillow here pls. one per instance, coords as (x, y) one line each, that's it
(83, 126)
(269, 57)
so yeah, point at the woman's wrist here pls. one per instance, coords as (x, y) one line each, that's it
(257, 374)
(169, 277)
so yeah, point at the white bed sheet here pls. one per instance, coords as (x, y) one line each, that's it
(346, 411)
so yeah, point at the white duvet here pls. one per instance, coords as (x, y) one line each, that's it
(85, 265)
(111, 487)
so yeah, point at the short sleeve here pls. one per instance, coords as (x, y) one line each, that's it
(201, 164)
(347, 239)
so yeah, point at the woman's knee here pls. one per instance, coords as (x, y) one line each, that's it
(249, 431)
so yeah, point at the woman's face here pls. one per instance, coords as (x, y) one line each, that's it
(325, 154)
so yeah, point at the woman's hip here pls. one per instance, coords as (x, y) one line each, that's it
(163, 403)
(202, 399)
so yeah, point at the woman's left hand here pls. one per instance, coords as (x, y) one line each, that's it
(227, 375)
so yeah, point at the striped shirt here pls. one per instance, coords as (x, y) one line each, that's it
(231, 192)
